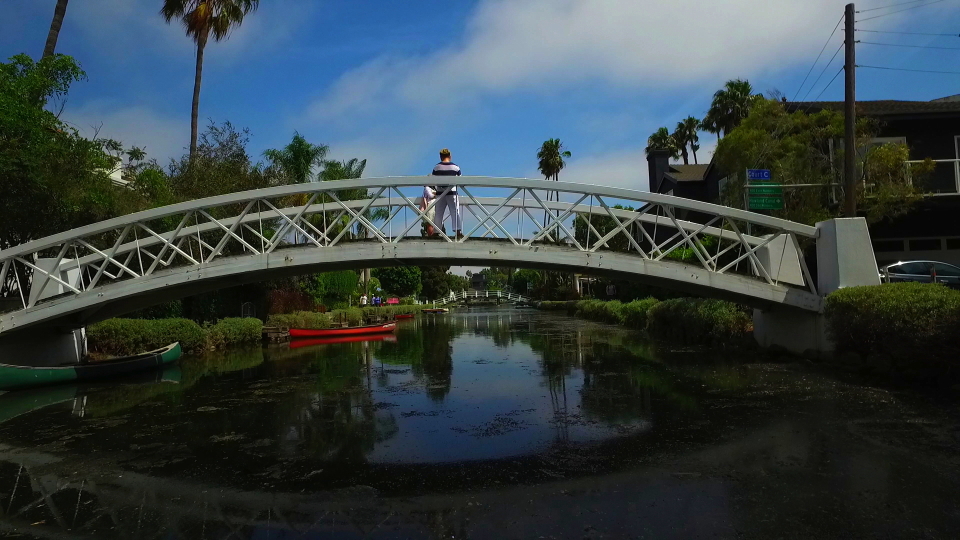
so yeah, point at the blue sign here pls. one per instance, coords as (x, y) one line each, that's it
(758, 174)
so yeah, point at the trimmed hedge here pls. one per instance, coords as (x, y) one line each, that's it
(632, 314)
(914, 322)
(234, 331)
(122, 337)
(300, 319)
(698, 321)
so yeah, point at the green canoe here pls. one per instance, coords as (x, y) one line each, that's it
(16, 377)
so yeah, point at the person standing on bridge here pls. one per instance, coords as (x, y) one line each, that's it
(450, 201)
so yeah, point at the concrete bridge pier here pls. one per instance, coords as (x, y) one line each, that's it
(44, 347)
(845, 258)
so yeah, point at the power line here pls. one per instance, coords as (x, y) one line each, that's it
(818, 59)
(901, 10)
(825, 87)
(913, 70)
(825, 68)
(891, 5)
(907, 33)
(910, 46)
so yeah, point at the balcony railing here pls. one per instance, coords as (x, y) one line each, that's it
(945, 179)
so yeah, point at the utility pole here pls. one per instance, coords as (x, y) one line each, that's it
(850, 118)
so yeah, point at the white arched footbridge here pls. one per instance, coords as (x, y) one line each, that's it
(460, 296)
(106, 269)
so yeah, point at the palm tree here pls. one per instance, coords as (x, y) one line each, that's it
(347, 170)
(297, 159)
(731, 104)
(551, 156)
(661, 139)
(686, 134)
(201, 18)
(55, 24)
(343, 170)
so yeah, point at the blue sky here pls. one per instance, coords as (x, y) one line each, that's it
(491, 79)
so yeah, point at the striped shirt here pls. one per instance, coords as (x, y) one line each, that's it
(447, 168)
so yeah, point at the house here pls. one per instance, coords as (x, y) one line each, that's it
(931, 129)
(478, 282)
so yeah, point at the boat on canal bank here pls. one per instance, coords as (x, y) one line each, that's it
(346, 331)
(436, 311)
(13, 377)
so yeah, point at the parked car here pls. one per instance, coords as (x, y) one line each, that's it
(922, 272)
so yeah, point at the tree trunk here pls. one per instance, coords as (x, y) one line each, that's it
(58, 13)
(685, 155)
(195, 112)
(694, 157)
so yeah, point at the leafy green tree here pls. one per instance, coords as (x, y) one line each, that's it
(457, 283)
(201, 19)
(296, 160)
(400, 280)
(220, 164)
(333, 289)
(525, 280)
(796, 148)
(663, 140)
(435, 281)
(58, 13)
(53, 179)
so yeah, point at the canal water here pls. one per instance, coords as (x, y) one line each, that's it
(480, 423)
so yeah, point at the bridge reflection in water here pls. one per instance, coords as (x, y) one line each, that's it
(278, 442)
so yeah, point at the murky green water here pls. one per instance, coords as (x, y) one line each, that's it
(486, 423)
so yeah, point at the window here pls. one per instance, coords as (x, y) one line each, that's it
(886, 246)
(946, 270)
(953, 243)
(930, 244)
(911, 268)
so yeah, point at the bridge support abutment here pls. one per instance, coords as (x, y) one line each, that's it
(43, 347)
(845, 258)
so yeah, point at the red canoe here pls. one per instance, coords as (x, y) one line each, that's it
(349, 331)
(403, 316)
(342, 339)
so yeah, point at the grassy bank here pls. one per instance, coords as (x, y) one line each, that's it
(908, 328)
(122, 337)
(684, 320)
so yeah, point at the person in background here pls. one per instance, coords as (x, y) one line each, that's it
(429, 193)
(451, 201)
(363, 300)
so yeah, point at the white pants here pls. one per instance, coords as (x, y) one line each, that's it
(451, 202)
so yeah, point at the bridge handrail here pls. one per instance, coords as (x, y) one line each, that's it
(255, 217)
(40, 244)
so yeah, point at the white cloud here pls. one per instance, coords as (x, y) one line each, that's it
(545, 44)
(162, 137)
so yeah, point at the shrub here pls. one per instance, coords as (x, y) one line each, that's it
(915, 321)
(124, 337)
(570, 306)
(598, 310)
(300, 319)
(234, 331)
(698, 321)
(634, 314)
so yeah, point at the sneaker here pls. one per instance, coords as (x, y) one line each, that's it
(459, 235)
